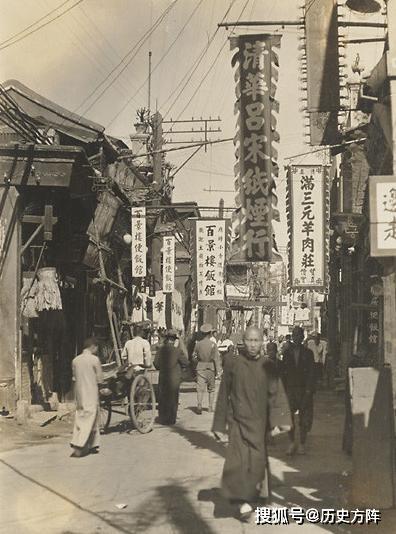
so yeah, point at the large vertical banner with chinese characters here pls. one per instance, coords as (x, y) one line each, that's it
(168, 264)
(308, 226)
(256, 168)
(382, 215)
(138, 216)
(208, 257)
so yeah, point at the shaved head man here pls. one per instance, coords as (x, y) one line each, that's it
(253, 340)
(243, 406)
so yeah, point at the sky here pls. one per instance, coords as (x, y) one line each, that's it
(67, 59)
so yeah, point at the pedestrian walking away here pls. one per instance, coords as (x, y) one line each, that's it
(298, 374)
(87, 375)
(170, 361)
(247, 406)
(206, 359)
(138, 351)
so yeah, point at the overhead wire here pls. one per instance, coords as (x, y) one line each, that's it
(191, 71)
(105, 40)
(24, 36)
(34, 23)
(83, 43)
(158, 62)
(210, 68)
(126, 59)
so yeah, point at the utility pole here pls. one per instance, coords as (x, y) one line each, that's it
(149, 84)
(157, 160)
(202, 128)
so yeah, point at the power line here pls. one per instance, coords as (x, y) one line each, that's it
(163, 151)
(210, 68)
(327, 147)
(33, 23)
(3, 47)
(158, 63)
(190, 72)
(134, 51)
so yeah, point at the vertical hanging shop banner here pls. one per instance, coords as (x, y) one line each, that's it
(168, 267)
(208, 257)
(308, 226)
(382, 215)
(320, 66)
(256, 168)
(138, 216)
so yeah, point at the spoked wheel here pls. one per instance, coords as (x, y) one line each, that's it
(142, 404)
(104, 416)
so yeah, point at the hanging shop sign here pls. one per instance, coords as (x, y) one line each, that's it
(383, 215)
(168, 264)
(308, 226)
(138, 242)
(321, 70)
(256, 169)
(287, 311)
(208, 257)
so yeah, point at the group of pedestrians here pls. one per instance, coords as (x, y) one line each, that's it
(257, 394)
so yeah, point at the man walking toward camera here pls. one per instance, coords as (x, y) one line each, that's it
(249, 404)
(298, 373)
(207, 363)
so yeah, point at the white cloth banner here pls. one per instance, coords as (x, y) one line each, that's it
(210, 247)
(168, 264)
(308, 226)
(383, 215)
(138, 224)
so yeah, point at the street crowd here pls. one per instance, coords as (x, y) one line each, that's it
(264, 389)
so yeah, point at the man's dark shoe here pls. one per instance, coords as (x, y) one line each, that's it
(199, 410)
(79, 453)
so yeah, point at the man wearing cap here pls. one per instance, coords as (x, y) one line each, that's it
(206, 359)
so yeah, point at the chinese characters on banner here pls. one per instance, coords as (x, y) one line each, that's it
(383, 215)
(256, 168)
(138, 242)
(308, 225)
(168, 268)
(209, 258)
(373, 326)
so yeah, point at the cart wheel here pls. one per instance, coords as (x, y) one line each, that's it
(104, 416)
(142, 404)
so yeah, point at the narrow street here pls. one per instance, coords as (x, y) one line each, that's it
(167, 479)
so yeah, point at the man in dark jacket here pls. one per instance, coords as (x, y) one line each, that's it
(298, 374)
(247, 408)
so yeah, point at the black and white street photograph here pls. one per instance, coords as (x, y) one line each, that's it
(197, 266)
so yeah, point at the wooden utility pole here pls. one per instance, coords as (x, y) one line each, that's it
(157, 161)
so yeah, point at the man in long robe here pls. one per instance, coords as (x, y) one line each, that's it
(247, 396)
(87, 374)
(170, 361)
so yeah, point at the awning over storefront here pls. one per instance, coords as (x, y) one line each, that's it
(48, 113)
(40, 166)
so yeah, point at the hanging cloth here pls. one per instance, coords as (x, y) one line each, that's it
(28, 296)
(47, 294)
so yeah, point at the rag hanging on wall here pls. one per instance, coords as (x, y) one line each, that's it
(47, 294)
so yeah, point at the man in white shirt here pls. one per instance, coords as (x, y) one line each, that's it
(319, 349)
(138, 351)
